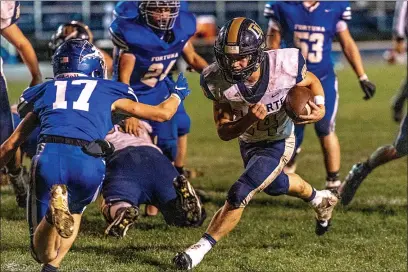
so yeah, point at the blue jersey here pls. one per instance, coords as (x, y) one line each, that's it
(130, 9)
(311, 30)
(74, 107)
(154, 57)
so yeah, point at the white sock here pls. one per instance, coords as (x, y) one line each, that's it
(318, 198)
(198, 250)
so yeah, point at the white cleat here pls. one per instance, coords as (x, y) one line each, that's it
(324, 210)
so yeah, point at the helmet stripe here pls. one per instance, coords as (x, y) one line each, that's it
(234, 30)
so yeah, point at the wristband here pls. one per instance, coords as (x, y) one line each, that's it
(176, 96)
(318, 100)
(363, 77)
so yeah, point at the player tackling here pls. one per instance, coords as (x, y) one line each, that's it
(248, 86)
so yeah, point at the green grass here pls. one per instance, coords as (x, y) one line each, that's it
(275, 233)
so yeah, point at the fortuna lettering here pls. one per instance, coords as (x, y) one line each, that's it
(310, 28)
(165, 57)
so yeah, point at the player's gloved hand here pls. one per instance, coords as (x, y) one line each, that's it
(180, 88)
(317, 113)
(367, 87)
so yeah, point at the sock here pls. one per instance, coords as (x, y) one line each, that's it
(210, 239)
(332, 176)
(312, 196)
(49, 268)
(180, 169)
(317, 198)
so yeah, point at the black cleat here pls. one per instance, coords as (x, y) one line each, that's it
(124, 218)
(353, 180)
(182, 261)
(188, 199)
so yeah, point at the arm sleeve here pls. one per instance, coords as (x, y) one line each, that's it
(302, 68)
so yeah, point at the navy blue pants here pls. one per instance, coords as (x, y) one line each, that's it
(6, 121)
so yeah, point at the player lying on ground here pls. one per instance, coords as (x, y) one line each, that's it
(248, 86)
(74, 114)
(138, 173)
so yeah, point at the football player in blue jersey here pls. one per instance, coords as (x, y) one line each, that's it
(311, 27)
(10, 14)
(399, 148)
(74, 113)
(149, 42)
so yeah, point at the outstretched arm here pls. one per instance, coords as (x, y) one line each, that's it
(24, 129)
(14, 35)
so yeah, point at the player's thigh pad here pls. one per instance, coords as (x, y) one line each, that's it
(327, 124)
(63, 164)
(401, 143)
(264, 163)
(6, 128)
(183, 121)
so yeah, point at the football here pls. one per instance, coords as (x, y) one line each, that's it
(296, 102)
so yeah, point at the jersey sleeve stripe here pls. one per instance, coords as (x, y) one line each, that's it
(268, 11)
(118, 41)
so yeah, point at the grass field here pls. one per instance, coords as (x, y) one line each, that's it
(275, 233)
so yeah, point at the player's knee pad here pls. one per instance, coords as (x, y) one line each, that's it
(280, 186)
(238, 194)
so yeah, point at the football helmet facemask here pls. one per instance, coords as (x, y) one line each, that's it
(160, 15)
(239, 38)
(71, 30)
(78, 56)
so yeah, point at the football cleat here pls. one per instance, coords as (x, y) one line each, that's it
(324, 210)
(124, 218)
(188, 199)
(61, 217)
(353, 180)
(183, 261)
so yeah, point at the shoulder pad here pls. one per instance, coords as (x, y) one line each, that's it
(128, 33)
(213, 83)
(126, 9)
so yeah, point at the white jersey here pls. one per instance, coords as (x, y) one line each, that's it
(282, 69)
(121, 140)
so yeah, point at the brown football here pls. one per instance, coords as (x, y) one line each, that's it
(296, 102)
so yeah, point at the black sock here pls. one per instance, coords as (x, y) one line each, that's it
(180, 169)
(311, 197)
(49, 268)
(210, 239)
(332, 176)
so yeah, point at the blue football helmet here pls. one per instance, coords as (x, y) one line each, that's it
(160, 15)
(78, 56)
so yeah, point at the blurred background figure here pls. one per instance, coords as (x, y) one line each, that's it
(399, 148)
(10, 13)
